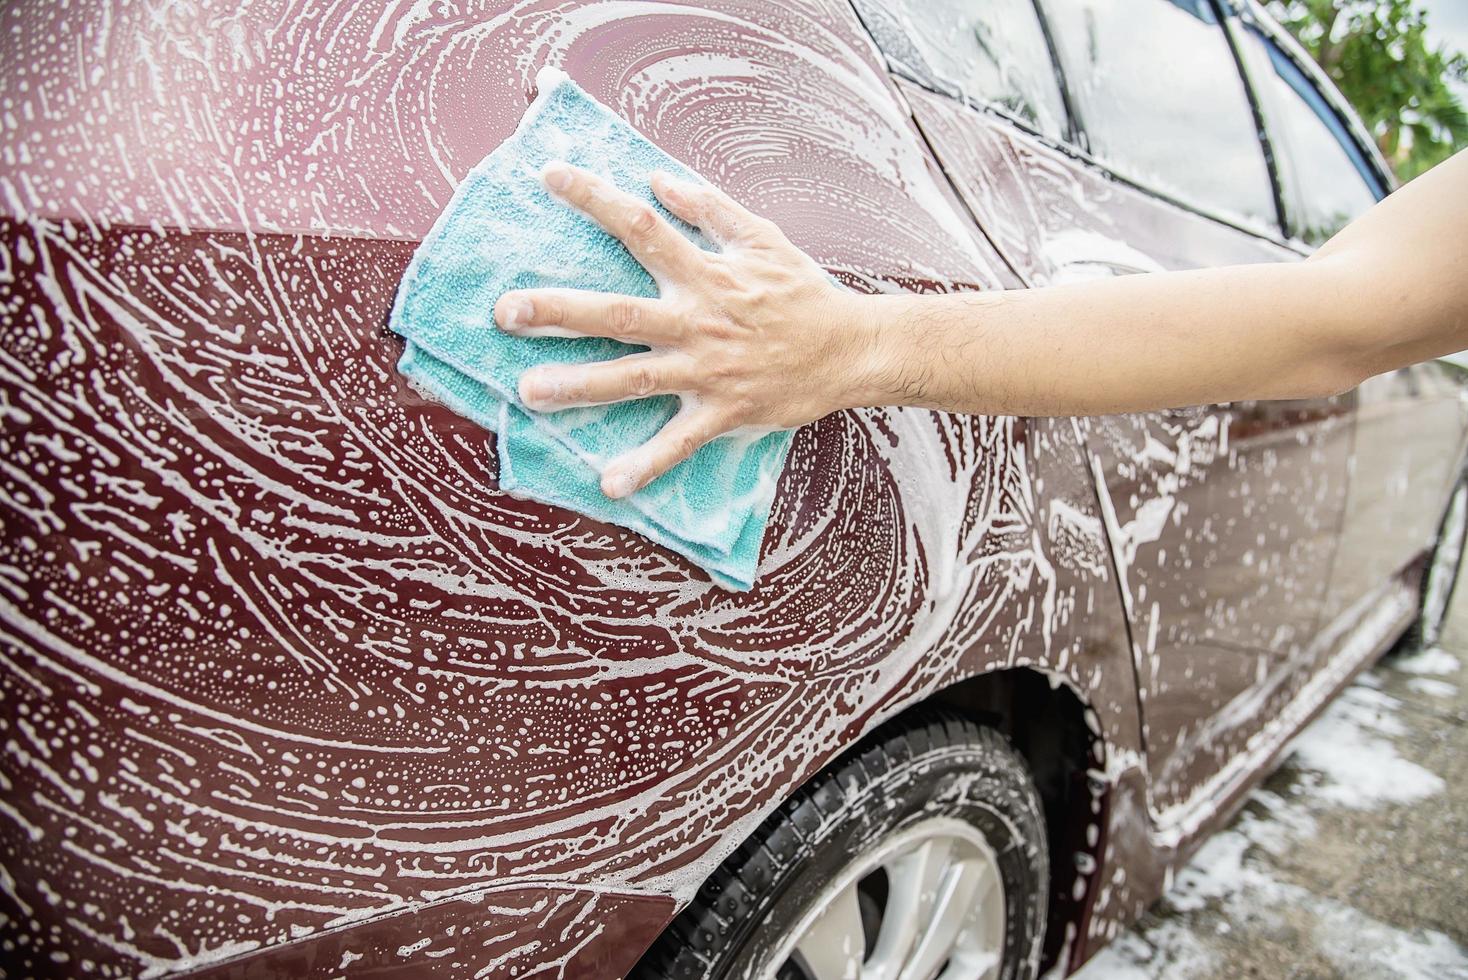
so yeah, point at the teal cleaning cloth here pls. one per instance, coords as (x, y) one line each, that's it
(503, 231)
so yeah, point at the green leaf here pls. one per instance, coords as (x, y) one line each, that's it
(1377, 53)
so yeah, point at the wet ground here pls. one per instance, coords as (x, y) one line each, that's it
(1351, 861)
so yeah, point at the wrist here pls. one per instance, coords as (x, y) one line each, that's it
(867, 377)
(913, 350)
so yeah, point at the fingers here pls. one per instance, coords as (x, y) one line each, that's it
(675, 442)
(650, 239)
(581, 313)
(707, 208)
(556, 386)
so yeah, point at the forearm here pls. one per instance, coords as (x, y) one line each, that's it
(1388, 290)
(732, 329)
(1127, 344)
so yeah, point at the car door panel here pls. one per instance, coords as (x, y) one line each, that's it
(1223, 518)
(1405, 438)
(1408, 448)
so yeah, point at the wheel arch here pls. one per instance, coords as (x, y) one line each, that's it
(1053, 727)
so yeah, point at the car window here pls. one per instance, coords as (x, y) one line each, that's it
(984, 51)
(1332, 181)
(1159, 96)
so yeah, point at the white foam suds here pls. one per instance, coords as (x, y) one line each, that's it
(1346, 759)
(1434, 660)
(1349, 757)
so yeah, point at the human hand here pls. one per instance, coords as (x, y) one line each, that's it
(754, 337)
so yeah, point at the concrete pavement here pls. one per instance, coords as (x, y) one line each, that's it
(1351, 861)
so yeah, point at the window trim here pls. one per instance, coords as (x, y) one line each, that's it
(1332, 96)
(1075, 146)
(1272, 231)
(1250, 14)
(904, 72)
(1265, 232)
(1228, 17)
(1074, 132)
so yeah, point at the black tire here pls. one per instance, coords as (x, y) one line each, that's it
(1445, 558)
(933, 763)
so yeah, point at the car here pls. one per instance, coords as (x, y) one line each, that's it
(292, 689)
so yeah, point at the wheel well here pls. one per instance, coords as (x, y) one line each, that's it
(1046, 722)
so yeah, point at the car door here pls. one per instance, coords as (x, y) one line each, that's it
(1222, 518)
(1409, 422)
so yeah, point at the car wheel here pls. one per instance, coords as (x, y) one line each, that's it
(1441, 577)
(920, 852)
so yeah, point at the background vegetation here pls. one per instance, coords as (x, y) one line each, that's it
(1402, 84)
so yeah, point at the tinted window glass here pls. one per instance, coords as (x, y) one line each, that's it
(1331, 180)
(989, 51)
(1158, 92)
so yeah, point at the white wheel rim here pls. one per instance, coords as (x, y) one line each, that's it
(943, 917)
(1444, 568)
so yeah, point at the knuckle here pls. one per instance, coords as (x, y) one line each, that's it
(714, 327)
(625, 317)
(642, 222)
(674, 325)
(763, 229)
(759, 295)
(642, 380)
(745, 408)
(722, 277)
(684, 445)
(723, 372)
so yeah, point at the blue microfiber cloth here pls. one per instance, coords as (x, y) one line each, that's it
(503, 231)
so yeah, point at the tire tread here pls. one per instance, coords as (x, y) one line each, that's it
(692, 942)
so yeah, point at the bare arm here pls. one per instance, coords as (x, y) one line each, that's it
(756, 336)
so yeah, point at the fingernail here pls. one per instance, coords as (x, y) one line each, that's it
(618, 483)
(513, 312)
(557, 175)
(662, 182)
(535, 388)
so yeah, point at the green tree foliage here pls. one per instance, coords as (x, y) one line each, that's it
(1377, 52)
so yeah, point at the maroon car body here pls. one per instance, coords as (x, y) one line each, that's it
(291, 689)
